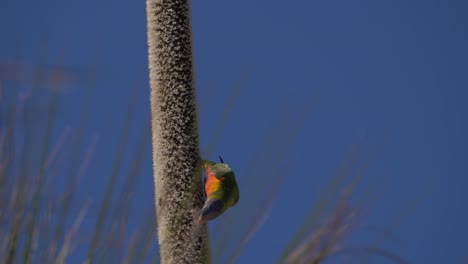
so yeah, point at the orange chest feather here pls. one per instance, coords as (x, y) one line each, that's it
(212, 183)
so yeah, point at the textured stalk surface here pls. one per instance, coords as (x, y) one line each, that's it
(176, 152)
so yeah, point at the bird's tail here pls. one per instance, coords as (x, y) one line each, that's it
(212, 209)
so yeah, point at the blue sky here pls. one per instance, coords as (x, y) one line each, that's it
(394, 69)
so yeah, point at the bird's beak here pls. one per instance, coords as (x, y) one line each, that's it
(221, 159)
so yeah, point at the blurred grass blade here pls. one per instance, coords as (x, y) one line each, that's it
(73, 167)
(66, 247)
(26, 166)
(324, 201)
(121, 150)
(221, 124)
(373, 251)
(41, 174)
(260, 218)
(132, 176)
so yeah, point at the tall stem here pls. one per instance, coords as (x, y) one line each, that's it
(176, 151)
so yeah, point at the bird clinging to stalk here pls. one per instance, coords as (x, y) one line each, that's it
(220, 189)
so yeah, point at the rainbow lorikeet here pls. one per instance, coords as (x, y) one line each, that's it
(220, 189)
